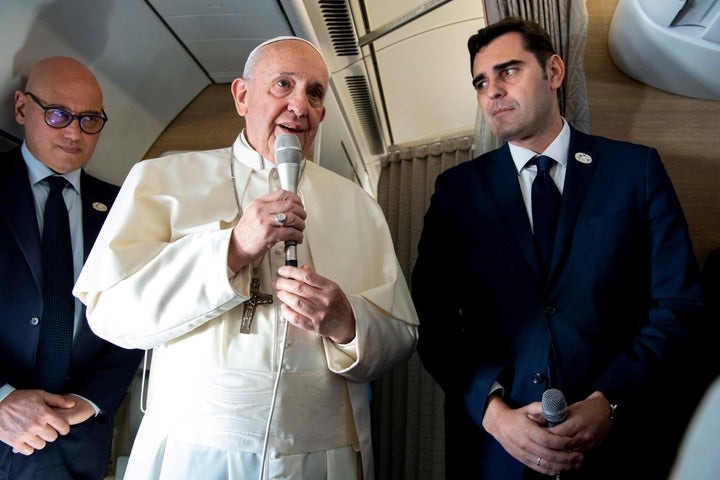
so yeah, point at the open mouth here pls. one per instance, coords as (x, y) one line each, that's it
(290, 129)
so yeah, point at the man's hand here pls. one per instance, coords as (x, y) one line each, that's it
(522, 434)
(78, 413)
(30, 418)
(257, 230)
(315, 303)
(588, 422)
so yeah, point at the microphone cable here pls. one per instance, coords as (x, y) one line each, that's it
(292, 261)
(273, 400)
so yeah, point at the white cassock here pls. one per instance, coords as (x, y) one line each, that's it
(157, 278)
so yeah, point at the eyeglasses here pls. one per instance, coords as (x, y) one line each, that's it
(59, 118)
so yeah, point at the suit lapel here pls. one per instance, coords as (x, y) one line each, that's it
(582, 160)
(96, 203)
(18, 205)
(92, 219)
(504, 181)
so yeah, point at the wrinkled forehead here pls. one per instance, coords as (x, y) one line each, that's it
(296, 61)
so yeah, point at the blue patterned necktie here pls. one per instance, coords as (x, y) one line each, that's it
(56, 327)
(545, 208)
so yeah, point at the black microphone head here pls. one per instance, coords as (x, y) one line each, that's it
(287, 149)
(554, 406)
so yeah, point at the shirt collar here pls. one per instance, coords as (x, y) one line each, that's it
(37, 171)
(250, 156)
(558, 150)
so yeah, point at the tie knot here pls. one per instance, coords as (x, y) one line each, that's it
(56, 183)
(544, 163)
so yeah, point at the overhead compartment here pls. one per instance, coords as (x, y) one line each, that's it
(398, 72)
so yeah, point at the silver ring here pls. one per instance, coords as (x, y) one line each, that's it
(280, 219)
(538, 462)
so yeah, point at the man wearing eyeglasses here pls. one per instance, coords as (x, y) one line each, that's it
(57, 403)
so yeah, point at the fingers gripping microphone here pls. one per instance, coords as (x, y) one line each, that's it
(554, 407)
(288, 155)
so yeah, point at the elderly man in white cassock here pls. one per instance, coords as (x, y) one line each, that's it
(259, 367)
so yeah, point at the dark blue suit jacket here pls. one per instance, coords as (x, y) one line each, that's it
(99, 371)
(622, 295)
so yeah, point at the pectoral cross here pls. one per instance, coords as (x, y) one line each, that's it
(256, 298)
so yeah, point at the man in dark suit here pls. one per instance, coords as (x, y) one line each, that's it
(61, 431)
(606, 320)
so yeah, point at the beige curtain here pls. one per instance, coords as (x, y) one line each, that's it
(408, 426)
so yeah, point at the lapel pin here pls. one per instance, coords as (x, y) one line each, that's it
(99, 206)
(583, 158)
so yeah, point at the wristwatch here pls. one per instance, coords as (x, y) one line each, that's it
(613, 407)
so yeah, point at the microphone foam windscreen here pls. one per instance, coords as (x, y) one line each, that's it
(554, 406)
(287, 149)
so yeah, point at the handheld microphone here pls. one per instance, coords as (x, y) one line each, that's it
(554, 407)
(288, 155)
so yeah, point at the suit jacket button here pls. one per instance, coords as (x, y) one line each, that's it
(550, 311)
(34, 321)
(538, 377)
